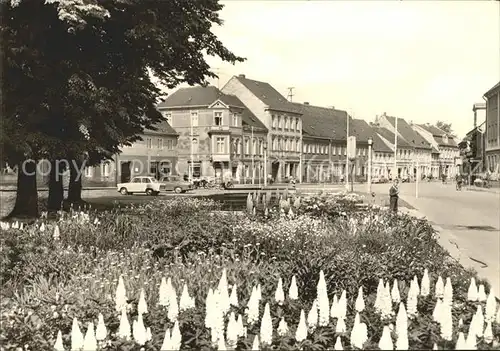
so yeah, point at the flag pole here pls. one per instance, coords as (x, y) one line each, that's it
(252, 144)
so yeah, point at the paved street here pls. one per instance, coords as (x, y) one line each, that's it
(471, 219)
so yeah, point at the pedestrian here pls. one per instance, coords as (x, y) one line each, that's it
(394, 196)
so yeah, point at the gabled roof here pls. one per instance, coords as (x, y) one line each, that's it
(199, 96)
(163, 128)
(360, 129)
(432, 129)
(379, 145)
(322, 122)
(389, 136)
(249, 120)
(437, 134)
(493, 90)
(267, 94)
(407, 132)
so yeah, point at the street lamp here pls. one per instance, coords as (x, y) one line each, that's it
(265, 163)
(370, 143)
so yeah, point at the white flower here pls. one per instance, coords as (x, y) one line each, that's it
(256, 343)
(481, 295)
(232, 330)
(165, 291)
(224, 294)
(233, 299)
(241, 329)
(266, 326)
(446, 322)
(491, 306)
(56, 234)
(401, 320)
(301, 332)
(279, 295)
(385, 342)
(101, 332)
(76, 336)
(42, 227)
(471, 340)
(142, 306)
(259, 292)
(253, 307)
(436, 315)
(335, 306)
(435, 347)
(139, 330)
(461, 344)
(355, 333)
(166, 346)
(415, 282)
(208, 308)
(412, 300)
(425, 287)
(173, 307)
(479, 321)
(340, 327)
(176, 339)
(439, 288)
(124, 328)
(396, 298)
(89, 342)
(488, 333)
(186, 301)
(342, 306)
(121, 295)
(149, 336)
(58, 346)
(472, 293)
(338, 344)
(312, 317)
(293, 292)
(282, 327)
(448, 292)
(360, 302)
(323, 303)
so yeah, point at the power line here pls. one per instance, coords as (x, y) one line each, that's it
(290, 93)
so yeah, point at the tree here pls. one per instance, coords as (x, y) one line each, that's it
(446, 127)
(79, 73)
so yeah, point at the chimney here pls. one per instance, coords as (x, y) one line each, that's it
(306, 103)
(333, 107)
(241, 75)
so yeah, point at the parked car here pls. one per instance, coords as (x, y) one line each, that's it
(148, 185)
(176, 184)
(380, 179)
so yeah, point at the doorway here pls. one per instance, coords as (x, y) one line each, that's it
(125, 172)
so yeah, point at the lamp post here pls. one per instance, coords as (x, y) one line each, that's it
(265, 163)
(370, 142)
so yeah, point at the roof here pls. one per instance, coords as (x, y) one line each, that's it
(163, 128)
(379, 145)
(361, 129)
(493, 90)
(432, 129)
(199, 96)
(249, 120)
(407, 132)
(267, 94)
(437, 134)
(322, 122)
(389, 136)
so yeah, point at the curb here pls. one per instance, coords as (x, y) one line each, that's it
(65, 189)
(487, 190)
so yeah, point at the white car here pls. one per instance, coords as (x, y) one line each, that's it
(148, 185)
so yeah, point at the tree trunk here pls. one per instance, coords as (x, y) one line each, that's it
(75, 183)
(56, 190)
(26, 205)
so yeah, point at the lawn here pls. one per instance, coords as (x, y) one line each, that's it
(310, 273)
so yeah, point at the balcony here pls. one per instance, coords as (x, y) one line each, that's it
(219, 129)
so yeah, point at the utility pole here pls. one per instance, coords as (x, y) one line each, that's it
(190, 172)
(290, 93)
(395, 149)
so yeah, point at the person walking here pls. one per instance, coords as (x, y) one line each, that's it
(394, 196)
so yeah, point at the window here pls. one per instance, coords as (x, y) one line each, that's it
(238, 146)
(165, 168)
(89, 171)
(298, 125)
(273, 121)
(149, 143)
(235, 119)
(287, 123)
(167, 116)
(334, 150)
(146, 180)
(194, 119)
(292, 145)
(169, 144)
(261, 147)
(160, 143)
(220, 145)
(137, 180)
(218, 118)
(194, 146)
(287, 145)
(247, 146)
(304, 148)
(105, 170)
(275, 143)
(295, 123)
(280, 122)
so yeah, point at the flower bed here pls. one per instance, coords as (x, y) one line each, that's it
(263, 269)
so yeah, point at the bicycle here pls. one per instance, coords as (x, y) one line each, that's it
(459, 186)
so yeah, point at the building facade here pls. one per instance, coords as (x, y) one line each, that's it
(383, 157)
(281, 119)
(492, 132)
(218, 136)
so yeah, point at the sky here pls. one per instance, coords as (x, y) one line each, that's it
(420, 60)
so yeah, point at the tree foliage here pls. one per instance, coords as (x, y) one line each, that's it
(446, 127)
(77, 73)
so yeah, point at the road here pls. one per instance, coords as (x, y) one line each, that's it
(470, 218)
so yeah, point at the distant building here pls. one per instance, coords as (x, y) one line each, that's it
(444, 147)
(218, 135)
(492, 132)
(472, 150)
(383, 156)
(280, 117)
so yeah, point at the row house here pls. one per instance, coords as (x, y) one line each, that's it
(324, 152)
(382, 156)
(445, 153)
(472, 150)
(154, 154)
(281, 119)
(403, 154)
(419, 149)
(492, 132)
(218, 135)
